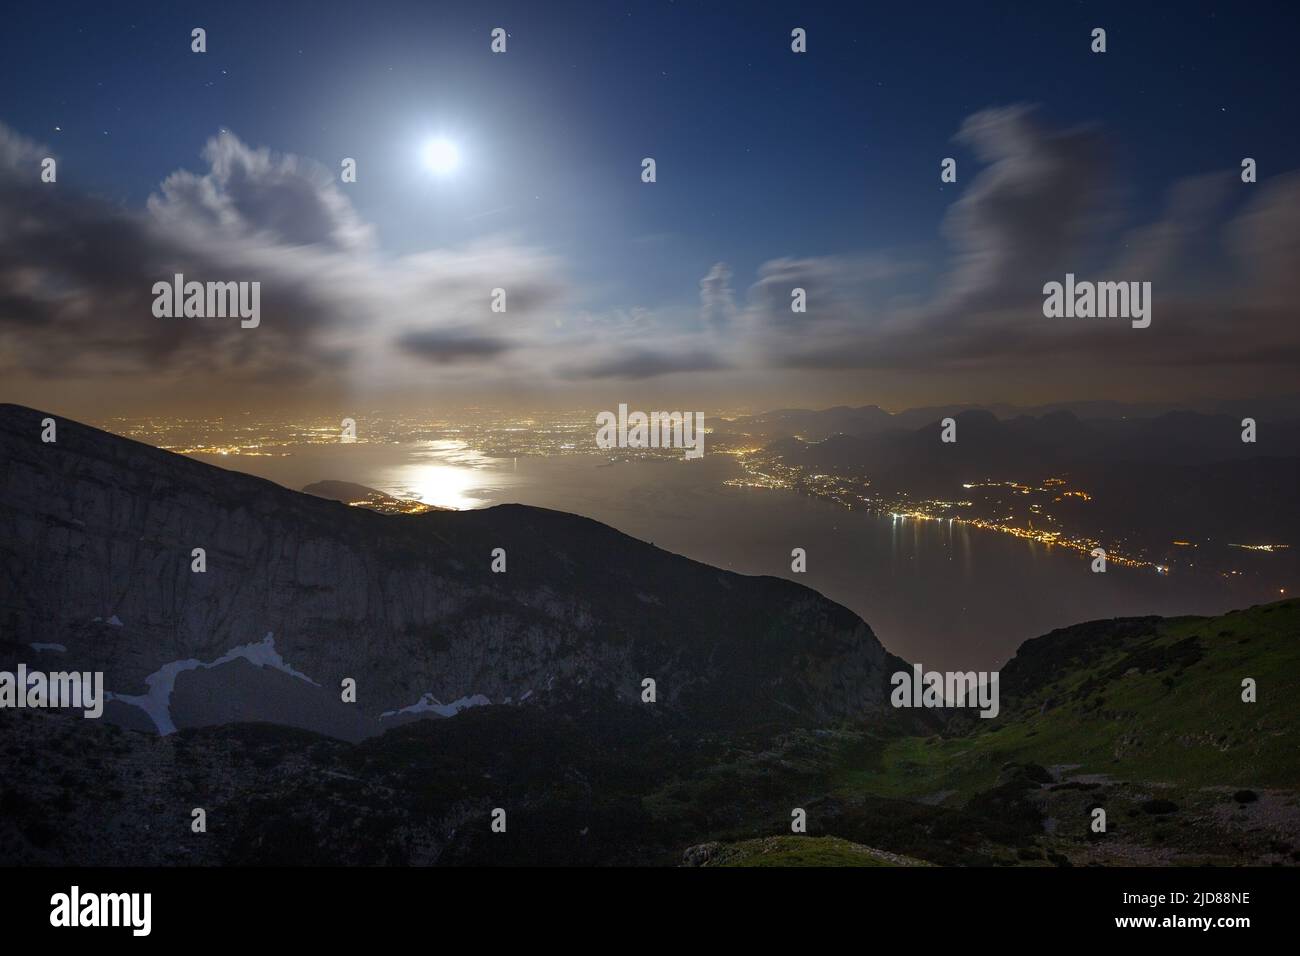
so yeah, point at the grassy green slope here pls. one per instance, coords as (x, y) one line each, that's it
(1160, 704)
(804, 851)
(1142, 718)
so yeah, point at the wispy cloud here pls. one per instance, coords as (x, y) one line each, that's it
(76, 274)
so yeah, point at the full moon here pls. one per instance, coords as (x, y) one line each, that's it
(441, 156)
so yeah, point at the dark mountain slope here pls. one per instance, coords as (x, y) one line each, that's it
(96, 535)
(1141, 717)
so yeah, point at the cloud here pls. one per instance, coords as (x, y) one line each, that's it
(255, 195)
(1023, 215)
(76, 278)
(641, 363)
(77, 273)
(1046, 204)
(1159, 250)
(1265, 242)
(717, 303)
(448, 347)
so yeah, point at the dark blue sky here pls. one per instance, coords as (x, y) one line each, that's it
(763, 156)
(761, 153)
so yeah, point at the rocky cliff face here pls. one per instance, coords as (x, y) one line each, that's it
(96, 540)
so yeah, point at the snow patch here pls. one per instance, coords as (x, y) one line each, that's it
(428, 704)
(156, 702)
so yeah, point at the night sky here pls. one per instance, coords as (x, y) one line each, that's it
(775, 170)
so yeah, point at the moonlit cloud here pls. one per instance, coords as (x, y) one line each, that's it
(717, 303)
(1045, 204)
(447, 347)
(76, 274)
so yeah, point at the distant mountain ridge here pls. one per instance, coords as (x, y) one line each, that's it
(1174, 476)
(818, 424)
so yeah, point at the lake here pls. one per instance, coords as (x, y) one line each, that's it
(942, 594)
